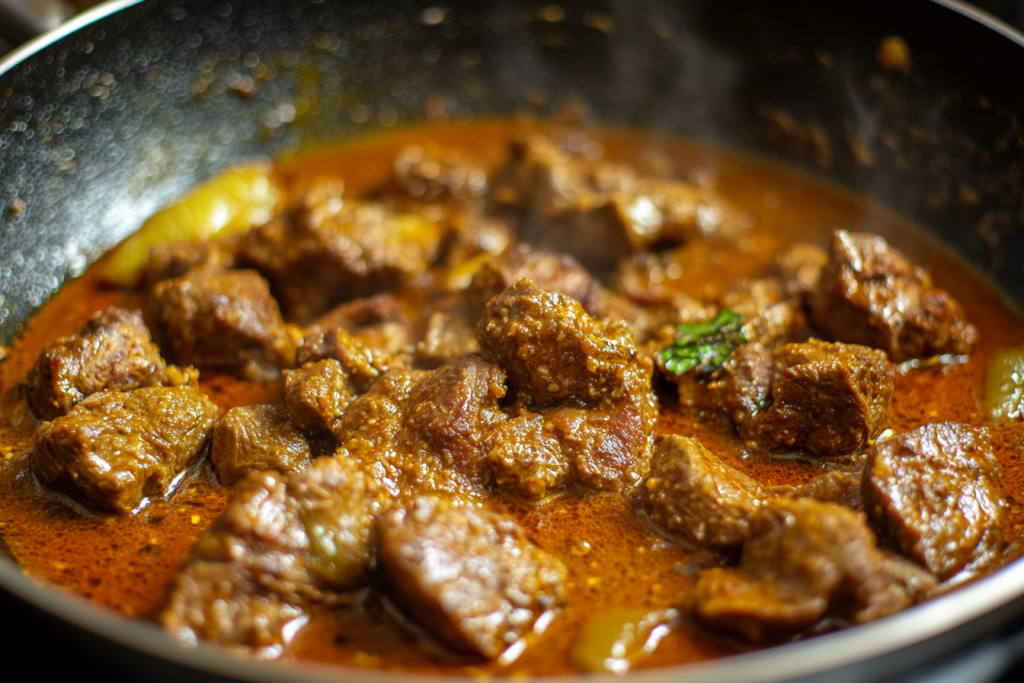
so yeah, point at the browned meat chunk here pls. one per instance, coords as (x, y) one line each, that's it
(469, 576)
(362, 364)
(169, 261)
(376, 321)
(801, 267)
(448, 336)
(802, 560)
(451, 414)
(826, 399)
(752, 297)
(936, 494)
(316, 395)
(526, 458)
(597, 211)
(115, 447)
(437, 175)
(551, 349)
(359, 313)
(771, 317)
(609, 445)
(259, 437)
(583, 375)
(372, 421)
(551, 272)
(871, 294)
(280, 546)
(332, 249)
(691, 492)
(742, 386)
(112, 350)
(473, 239)
(220, 602)
(223, 321)
(652, 279)
(836, 486)
(428, 431)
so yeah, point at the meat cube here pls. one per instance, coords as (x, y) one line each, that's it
(559, 273)
(437, 175)
(115, 447)
(333, 249)
(827, 399)
(597, 211)
(473, 238)
(377, 321)
(776, 325)
(169, 261)
(692, 493)
(801, 267)
(112, 350)
(282, 545)
(551, 272)
(259, 437)
(771, 316)
(362, 364)
(526, 458)
(803, 560)
(358, 313)
(870, 294)
(220, 602)
(817, 397)
(609, 444)
(223, 321)
(552, 350)
(651, 279)
(936, 494)
(752, 296)
(427, 431)
(448, 336)
(741, 387)
(835, 486)
(316, 395)
(583, 375)
(469, 576)
(451, 413)
(372, 420)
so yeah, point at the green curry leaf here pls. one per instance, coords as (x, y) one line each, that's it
(704, 346)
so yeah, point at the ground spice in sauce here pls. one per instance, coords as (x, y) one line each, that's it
(615, 557)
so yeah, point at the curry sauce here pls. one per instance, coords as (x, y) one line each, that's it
(618, 561)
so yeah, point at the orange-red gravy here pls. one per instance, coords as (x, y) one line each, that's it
(614, 557)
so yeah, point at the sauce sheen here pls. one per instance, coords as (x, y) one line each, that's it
(615, 556)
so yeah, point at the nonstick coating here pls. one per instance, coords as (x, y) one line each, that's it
(104, 125)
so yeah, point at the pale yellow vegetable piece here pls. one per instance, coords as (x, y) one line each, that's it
(1004, 385)
(233, 202)
(614, 640)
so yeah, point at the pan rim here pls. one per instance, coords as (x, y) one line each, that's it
(79, 21)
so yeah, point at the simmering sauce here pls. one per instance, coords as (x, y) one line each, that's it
(616, 558)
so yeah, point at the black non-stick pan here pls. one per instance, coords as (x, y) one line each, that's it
(124, 108)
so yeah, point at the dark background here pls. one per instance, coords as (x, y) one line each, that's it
(1010, 11)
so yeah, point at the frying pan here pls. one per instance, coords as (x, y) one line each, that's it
(109, 118)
